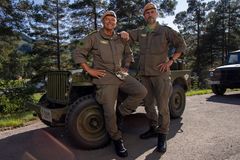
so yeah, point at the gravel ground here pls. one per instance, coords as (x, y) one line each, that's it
(208, 130)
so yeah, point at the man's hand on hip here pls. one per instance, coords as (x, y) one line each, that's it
(164, 67)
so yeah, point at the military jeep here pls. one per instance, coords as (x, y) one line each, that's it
(69, 101)
(227, 75)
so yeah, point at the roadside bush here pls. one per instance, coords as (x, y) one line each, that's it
(13, 95)
(194, 81)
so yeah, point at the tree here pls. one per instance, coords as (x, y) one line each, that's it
(130, 13)
(11, 26)
(222, 30)
(192, 24)
(49, 28)
(86, 17)
(210, 30)
(229, 14)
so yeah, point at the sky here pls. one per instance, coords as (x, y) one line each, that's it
(181, 6)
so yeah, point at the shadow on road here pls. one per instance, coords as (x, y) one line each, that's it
(52, 143)
(229, 99)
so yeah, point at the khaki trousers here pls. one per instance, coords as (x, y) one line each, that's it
(107, 95)
(159, 91)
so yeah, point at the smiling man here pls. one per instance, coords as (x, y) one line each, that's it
(111, 59)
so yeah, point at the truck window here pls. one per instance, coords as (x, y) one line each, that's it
(233, 59)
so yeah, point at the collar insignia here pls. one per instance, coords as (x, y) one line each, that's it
(103, 42)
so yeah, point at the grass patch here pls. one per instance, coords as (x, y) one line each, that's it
(37, 96)
(16, 120)
(198, 92)
(205, 91)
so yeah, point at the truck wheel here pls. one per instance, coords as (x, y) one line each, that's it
(218, 90)
(44, 102)
(85, 124)
(177, 102)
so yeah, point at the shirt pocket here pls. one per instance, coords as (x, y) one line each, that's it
(143, 41)
(158, 43)
(105, 52)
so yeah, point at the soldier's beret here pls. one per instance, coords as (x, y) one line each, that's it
(109, 13)
(149, 6)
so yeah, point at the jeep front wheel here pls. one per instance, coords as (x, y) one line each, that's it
(177, 102)
(85, 124)
(218, 90)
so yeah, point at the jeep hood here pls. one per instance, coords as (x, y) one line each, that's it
(231, 66)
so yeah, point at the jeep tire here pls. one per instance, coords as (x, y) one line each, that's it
(85, 124)
(218, 89)
(177, 101)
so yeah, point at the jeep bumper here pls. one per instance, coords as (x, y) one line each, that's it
(213, 82)
(54, 116)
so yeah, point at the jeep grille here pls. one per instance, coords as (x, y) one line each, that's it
(230, 75)
(58, 86)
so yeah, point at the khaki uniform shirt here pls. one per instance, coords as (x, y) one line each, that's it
(154, 47)
(108, 53)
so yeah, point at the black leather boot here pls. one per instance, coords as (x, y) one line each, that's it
(120, 150)
(149, 134)
(162, 143)
(120, 120)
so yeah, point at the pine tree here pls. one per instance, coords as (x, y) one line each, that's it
(192, 24)
(86, 17)
(12, 24)
(49, 27)
(210, 30)
(130, 13)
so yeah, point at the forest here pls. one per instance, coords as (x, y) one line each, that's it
(36, 37)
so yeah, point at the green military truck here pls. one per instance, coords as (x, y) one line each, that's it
(69, 101)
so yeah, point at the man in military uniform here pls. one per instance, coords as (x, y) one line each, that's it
(154, 68)
(111, 59)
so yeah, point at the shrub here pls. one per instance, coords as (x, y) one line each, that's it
(13, 95)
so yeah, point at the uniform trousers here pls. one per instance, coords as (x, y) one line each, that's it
(159, 90)
(107, 95)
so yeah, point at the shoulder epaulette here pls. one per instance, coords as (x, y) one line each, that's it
(92, 32)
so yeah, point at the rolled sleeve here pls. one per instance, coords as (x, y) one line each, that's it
(177, 41)
(133, 35)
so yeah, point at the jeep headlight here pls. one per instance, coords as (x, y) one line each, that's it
(211, 73)
(215, 73)
(70, 79)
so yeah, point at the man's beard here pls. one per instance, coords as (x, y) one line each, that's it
(151, 20)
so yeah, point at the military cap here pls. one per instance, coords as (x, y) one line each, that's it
(109, 13)
(149, 6)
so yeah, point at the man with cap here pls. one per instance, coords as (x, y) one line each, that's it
(154, 68)
(111, 59)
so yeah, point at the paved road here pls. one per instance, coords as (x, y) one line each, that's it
(208, 130)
